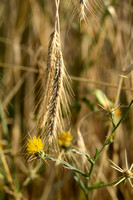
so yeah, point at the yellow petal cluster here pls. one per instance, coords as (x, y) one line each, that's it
(117, 112)
(65, 139)
(34, 145)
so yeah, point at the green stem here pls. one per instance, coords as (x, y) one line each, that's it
(124, 116)
(112, 120)
(91, 170)
(93, 187)
(121, 120)
(108, 140)
(83, 153)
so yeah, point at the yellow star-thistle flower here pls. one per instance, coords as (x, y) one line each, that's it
(117, 112)
(65, 139)
(34, 145)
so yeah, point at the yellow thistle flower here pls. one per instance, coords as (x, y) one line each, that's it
(65, 139)
(34, 145)
(117, 112)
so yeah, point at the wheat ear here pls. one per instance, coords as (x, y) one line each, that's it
(56, 98)
(86, 7)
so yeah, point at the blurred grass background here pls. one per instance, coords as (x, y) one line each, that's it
(95, 54)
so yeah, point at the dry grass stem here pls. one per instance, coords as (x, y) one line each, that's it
(8, 174)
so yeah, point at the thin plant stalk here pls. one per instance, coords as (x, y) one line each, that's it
(8, 174)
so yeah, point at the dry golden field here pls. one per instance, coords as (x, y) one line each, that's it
(46, 152)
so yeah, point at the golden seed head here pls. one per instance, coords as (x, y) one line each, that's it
(65, 139)
(127, 173)
(34, 145)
